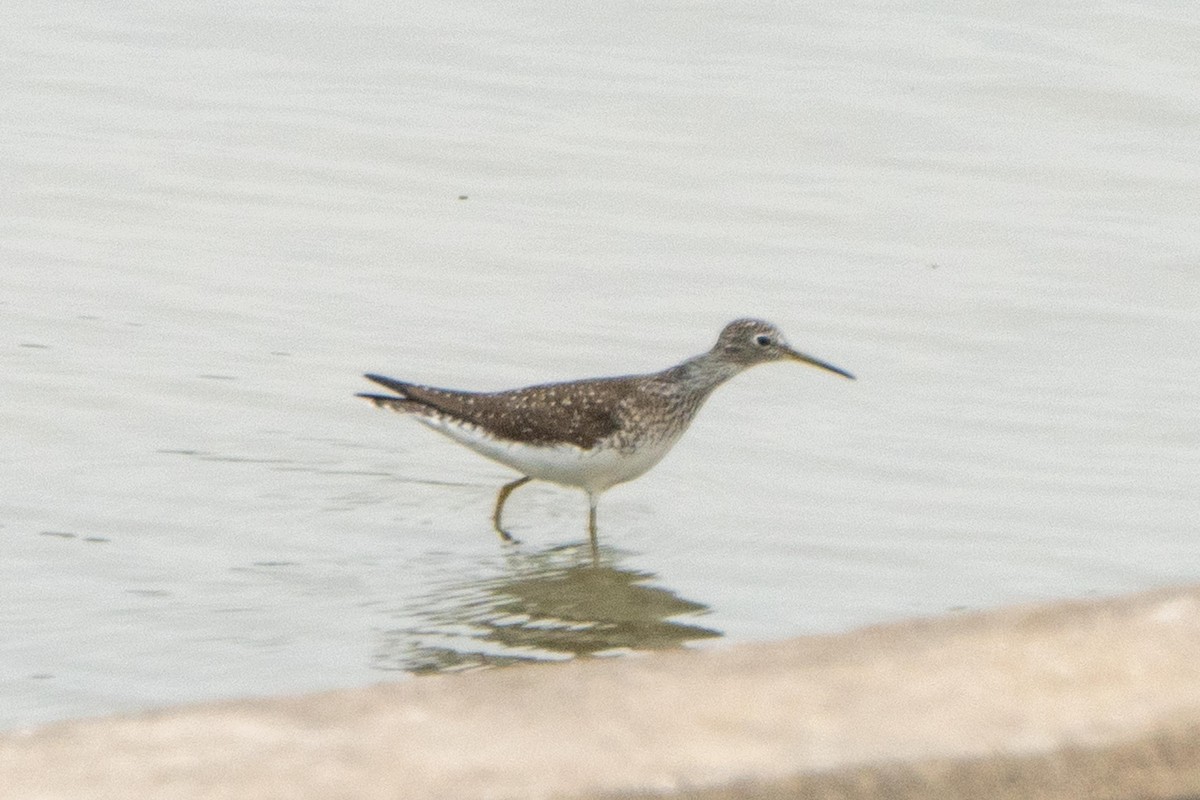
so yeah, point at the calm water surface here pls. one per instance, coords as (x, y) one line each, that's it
(212, 220)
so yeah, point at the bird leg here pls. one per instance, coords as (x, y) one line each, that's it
(592, 529)
(505, 491)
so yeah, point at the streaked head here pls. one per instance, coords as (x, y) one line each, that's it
(755, 341)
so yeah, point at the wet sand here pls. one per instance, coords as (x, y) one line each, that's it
(1075, 699)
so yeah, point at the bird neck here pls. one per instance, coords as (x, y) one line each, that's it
(704, 373)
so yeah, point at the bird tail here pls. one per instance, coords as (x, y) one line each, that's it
(402, 402)
(387, 401)
(399, 387)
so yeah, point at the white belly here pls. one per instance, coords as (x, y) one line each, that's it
(590, 470)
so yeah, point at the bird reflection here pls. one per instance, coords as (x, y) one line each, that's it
(554, 605)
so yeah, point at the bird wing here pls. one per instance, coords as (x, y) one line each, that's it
(580, 413)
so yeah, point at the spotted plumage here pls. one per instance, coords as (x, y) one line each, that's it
(591, 434)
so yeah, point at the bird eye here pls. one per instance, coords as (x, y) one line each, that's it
(762, 340)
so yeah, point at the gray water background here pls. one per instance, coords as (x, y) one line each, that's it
(213, 218)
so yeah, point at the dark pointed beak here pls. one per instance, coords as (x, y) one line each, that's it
(804, 358)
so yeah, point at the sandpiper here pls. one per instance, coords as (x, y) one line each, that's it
(591, 434)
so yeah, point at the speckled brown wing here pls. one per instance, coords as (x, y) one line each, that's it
(581, 413)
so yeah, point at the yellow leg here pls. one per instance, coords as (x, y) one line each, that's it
(592, 529)
(505, 491)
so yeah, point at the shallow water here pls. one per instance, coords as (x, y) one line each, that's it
(214, 220)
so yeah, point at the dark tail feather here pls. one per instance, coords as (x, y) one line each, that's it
(399, 387)
(388, 401)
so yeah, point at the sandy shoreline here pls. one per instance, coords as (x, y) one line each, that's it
(1061, 700)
